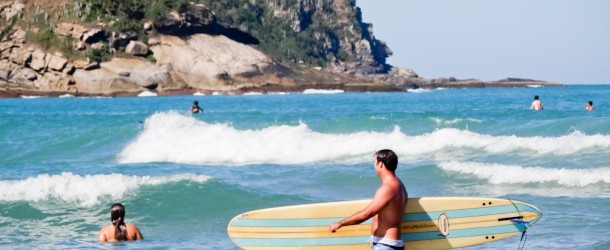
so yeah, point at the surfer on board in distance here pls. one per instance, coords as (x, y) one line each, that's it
(387, 207)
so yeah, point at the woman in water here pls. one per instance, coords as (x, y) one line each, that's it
(118, 230)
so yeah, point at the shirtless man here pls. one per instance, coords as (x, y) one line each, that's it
(589, 106)
(386, 208)
(119, 230)
(537, 104)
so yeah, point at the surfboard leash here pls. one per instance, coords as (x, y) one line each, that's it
(524, 223)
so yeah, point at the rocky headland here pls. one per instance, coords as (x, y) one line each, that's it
(80, 48)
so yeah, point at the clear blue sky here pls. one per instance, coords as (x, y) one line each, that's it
(565, 41)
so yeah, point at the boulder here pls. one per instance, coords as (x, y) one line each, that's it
(121, 40)
(38, 60)
(201, 58)
(49, 81)
(137, 48)
(107, 78)
(19, 55)
(18, 36)
(24, 76)
(148, 25)
(152, 41)
(57, 62)
(6, 67)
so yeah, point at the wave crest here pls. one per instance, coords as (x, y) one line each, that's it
(512, 174)
(85, 190)
(173, 137)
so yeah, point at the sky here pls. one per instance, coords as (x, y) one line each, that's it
(562, 41)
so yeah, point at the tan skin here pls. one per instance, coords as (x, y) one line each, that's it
(386, 208)
(107, 233)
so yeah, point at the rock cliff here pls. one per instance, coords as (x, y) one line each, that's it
(116, 48)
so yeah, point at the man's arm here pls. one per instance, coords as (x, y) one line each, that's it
(381, 198)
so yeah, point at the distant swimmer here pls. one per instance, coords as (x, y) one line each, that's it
(118, 230)
(537, 104)
(590, 106)
(387, 207)
(195, 108)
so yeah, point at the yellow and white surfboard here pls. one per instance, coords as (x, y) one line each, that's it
(428, 223)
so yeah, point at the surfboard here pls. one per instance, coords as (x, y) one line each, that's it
(428, 223)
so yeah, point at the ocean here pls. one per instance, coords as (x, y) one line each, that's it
(182, 176)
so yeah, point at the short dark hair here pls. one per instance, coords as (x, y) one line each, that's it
(535, 97)
(388, 157)
(591, 103)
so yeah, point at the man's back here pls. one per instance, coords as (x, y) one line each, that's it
(387, 223)
(536, 105)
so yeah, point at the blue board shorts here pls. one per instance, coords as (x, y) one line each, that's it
(381, 246)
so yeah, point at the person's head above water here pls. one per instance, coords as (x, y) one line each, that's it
(195, 103)
(590, 103)
(388, 157)
(117, 216)
(535, 97)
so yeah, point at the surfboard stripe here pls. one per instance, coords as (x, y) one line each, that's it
(409, 217)
(288, 242)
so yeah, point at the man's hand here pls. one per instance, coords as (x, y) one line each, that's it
(334, 227)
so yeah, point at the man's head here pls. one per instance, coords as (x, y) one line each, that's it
(590, 103)
(388, 158)
(535, 97)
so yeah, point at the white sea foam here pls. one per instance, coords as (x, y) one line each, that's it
(174, 137)
(323, 91)
(31, 96)
(253, 93)
(84, 190)
(419, 91)
(198, 94)
(440, 121)
(534, 86)
(66, 96)
(147, 94)
(512, 174)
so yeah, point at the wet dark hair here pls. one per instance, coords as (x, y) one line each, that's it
(535, 97)
(591, 103)
(117, 216)
(388, 157)
(196, 102)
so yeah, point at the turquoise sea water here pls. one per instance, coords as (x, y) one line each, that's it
(182, 177)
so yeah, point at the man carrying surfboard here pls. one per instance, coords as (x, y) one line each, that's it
(387, 207)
